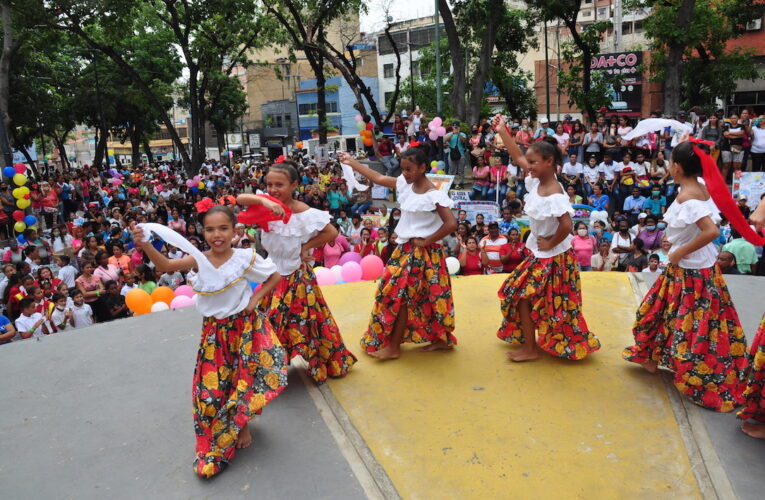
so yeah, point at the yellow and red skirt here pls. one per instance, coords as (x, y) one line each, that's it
(755, 389)
(687, 323)
(553, 288)
(416, 277)
(241, 367)
(305, 326)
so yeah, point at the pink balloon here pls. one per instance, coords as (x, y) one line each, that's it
(197, 179)
(181, 301)
(437, 121)
(191, 183)
(351, 272)
(441, 131)
(20, 168)
(433, 135)
(358, 118)
(184, 291)
(350, 257)
(432, 125)
(371, 267)
(325, 277)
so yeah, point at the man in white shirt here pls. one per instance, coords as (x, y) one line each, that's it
(609, 171)
(32, 255)
(66, 273)
(591, 174)
(82, 313)
(571, 172)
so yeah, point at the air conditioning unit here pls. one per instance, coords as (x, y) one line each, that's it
(754, 25)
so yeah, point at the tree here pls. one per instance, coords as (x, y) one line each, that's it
(689, 41)
(228, 103)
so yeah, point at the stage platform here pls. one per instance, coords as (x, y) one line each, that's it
(105, 412)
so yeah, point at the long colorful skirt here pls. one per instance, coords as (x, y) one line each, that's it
(553, 288)
(687, 323)
(241, 367)
(755, 390)
(305, 326)
(418, 278)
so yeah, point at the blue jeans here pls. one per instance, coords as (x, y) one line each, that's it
(491, 195)
(390, 164)
(360, 208)
(479, 192)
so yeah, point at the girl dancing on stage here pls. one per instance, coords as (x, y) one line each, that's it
(296, 307)
(241, 365)
(544, 292)
(414, 298)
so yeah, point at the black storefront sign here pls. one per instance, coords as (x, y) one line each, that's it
(626, 95)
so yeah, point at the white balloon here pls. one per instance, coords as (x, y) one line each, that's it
(159, 306)
(337, 271)
(453, 265)
(194, 298)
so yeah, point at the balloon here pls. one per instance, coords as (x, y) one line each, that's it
(30, 220)
(351, 271)
(17, 193)
(197, 179)
(325, 277)
(368, 142)
(433, 135)
(194, 189)
(190, 183)
(441, 131)
(360, 125)
(138, 301)
(431, 126)
(181, 301)
(23, 203)
(440, 172)
(159, 306)
(18, 216)
(184, 290)
(317, 269)
(253, 286)
(434, 170)
(33, 228)
(21, 239)
(9, 172)
(201, 185)
(433, 163)
(453, 265)
(437, 121)
(300, 145)
(350, 257)
(24, 192)
(441, 164)
(359, 118)
(337, 270)
(370, 126)
(340, 282)
(19, 179)
(194, 298)
(19, 227)
(162, 294)
(371, 267)
(19, 168)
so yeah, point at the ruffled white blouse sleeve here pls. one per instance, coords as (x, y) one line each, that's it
(419, 218)
(283, 242)
(543, 213)
(681, 219)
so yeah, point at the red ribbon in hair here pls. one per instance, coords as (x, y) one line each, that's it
(280, 159)
(718, 190)
(204, 205)
(261, 216)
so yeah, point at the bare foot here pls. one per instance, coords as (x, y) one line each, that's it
(650, 366)
(754, 430)
(245, 439)
(388, 352)
(524, 354)
(438, 346)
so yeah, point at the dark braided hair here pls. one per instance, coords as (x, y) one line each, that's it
(289, 167)
(548, 148)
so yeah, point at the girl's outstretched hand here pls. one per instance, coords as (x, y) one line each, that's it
(498, 122)
(138, 236)
(344, 157)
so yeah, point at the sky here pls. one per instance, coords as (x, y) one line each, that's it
(400, 10)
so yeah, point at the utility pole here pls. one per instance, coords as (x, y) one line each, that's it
(411, 72)
(439, 97)
(547, 74)
(617, 25)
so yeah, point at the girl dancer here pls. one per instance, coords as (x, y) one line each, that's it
(240, 364)
(414, 298)
(296, 307)
(687, 321)
(544, 291)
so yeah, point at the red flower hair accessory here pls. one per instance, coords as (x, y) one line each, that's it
(204, 205)
(258, 215)
(280, 159)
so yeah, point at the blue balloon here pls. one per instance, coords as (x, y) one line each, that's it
(253, 285)
(21, 239)
(194, 189)
(339, 282)
(30, 220)
(9, 172)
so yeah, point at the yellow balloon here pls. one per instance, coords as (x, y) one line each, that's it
(19, 179)
(24, 191)
(18, 193)
(23, 203)
(19, 227)
(201, 185)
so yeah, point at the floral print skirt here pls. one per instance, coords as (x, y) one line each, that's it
(553, 288)
(418, 278)
(305, 326)
(687, 323)
(241, 367)
(755, 390)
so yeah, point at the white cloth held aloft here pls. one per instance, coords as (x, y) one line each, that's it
(681, 130)
(350, 178)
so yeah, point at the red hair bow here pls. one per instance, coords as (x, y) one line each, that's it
(280, 159)
(204, 205)
(414, 144)
(258, 215)
(718, 190)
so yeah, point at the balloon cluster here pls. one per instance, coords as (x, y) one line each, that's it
(366, 128)
(161, 299)
(195, 184)
(21, 195)
(352, 268)
(437, 167)
(436, 128)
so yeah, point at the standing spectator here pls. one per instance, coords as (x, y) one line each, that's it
(623, 242)
(712, 132)
(104, 270)
(636, 259)
(481, 180)
(177, 223)
(91, 287)
(146, 278)
(653, 264)
(491, 245)
(61, 317)
(367, 245)
(384, 152)
(29, 323)
(584, 245)
(563, 139)
(732, 146)
(82, 313)
(745, 252)
(457, 142)
(576, 141)
(175, 279)
(593, 143)
(757, 131)
(333, 250)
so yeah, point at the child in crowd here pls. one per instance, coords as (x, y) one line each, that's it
(82, 314)
(7, 330)
(296, 306)
(174, 279)
(544, 291)
(62, 317)
(30, 323)
(130, 284)
(114, 303)
(403, 311)
(240, 364)
(43, 306)
(653, 264)
(66, 273)
(146, 277)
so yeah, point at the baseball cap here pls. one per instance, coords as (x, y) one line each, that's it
(681, 114)
(643, 215)
(567, 117)
(544, 120)
(516, 126)
(493, 224)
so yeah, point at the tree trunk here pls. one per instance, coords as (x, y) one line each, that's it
(135, 146)
(482, 70)
(103, 135)
(457, 96)
(586, 61)
(221, 138)
(10, 45)
(673, 65)
(147, 150)
(59, 142)
(321, 102)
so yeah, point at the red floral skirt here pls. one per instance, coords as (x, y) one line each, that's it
(553, 287)
(418, 278)
(755, 390)
(305, 326)
(241, 367)
(688, 324)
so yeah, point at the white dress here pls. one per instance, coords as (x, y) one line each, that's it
(681, 221)
(419, 218)
(283, 242)
(543, 213)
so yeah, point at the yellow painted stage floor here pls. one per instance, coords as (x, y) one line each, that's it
(470, 424)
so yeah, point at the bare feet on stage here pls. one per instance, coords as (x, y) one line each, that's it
(524, 354)
(650, 366)
(388, 352)
(245, 438)
(754, 430)
(438, 346)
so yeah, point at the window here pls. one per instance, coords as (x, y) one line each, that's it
(587, 13)
(279, 123)
(602, 12)
(331, 107)
(388, 70)
(587, 1)
(384, 46)
(422, 37)
(307, 108)
(288, 121)
(626, 28)
(754, 25)
(416, 69)
(637, 27)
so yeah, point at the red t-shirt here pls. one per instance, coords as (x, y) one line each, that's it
(473, 265)
(517, 252)
(385, 148)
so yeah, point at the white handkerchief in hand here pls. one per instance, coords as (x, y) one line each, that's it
(350, 178)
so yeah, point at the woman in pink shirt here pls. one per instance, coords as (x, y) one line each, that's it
(177, 224)
(584, 245)
(333, 250)
(481, 180)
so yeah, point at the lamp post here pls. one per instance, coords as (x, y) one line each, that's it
(439, 98)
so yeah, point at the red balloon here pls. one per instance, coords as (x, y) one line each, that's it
(370, 126)
(18, 215)
(20, 168)
(26, 196)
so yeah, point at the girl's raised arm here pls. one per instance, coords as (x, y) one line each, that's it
(372, 175)
(507, 139)
(162, 263)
